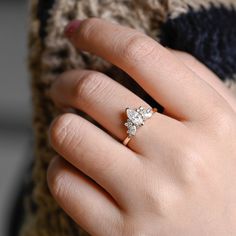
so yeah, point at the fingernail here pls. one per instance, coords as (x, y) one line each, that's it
(71, 28)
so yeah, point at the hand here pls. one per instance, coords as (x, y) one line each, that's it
(177, 176)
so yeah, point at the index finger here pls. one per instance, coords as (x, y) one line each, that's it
(183, 94)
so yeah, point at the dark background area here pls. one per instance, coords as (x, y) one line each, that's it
(15, 104)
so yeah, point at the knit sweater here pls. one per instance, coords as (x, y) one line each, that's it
(204, 28)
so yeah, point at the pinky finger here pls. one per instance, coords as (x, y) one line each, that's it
(86, 202)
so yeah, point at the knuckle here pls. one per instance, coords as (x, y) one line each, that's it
(151, 191)
(60, 129)
(87, 84)
(92, 84)
(153, 198)
(193, 166)
(188, 158)
(138, 47)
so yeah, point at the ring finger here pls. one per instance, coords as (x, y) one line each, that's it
(105, 101)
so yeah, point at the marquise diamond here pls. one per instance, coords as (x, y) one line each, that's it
(134, 116)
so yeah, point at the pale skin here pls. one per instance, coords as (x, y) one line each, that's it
(177, 176)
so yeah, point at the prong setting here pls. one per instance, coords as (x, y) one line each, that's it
(136, 118)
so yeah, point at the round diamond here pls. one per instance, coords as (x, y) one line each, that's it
(128, 123)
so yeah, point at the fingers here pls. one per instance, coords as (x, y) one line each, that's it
(183, 94)
(86, 202)
(105, 101)
(207, 75)
(96, 154)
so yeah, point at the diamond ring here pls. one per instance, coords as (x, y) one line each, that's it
(136, 119)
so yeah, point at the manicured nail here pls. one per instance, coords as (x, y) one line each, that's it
(71, 28)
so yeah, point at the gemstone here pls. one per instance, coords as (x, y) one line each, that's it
(132, 130)
(134, 116)
(128, 123)
(140, 110)
(148, 113)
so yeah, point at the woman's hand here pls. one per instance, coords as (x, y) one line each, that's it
(177, 176)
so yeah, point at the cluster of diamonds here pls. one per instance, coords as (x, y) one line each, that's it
(136, 118)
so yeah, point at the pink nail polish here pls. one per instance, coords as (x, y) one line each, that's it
(71, 28)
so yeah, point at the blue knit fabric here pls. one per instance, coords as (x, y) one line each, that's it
(208, 34)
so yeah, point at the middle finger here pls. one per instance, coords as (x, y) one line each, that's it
(179, 90)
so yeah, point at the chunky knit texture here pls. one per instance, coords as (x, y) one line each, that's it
(184, 25)
(213, 43)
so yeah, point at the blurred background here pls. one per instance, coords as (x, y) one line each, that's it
(15, 104)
